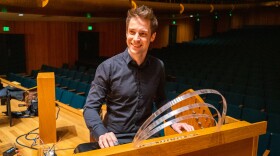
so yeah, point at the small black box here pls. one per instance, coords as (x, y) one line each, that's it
(10, 152)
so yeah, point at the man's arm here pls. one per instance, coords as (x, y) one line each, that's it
(91, 112)
(95, 99)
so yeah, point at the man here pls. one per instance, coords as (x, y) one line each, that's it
(129, 83)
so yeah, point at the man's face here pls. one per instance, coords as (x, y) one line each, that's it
(138, 36)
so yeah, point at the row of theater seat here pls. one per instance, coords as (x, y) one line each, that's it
(65, 70)
(73, 95)
(86, 77)
(242, 65)
(70, 98)
(269, 141)
(25, 81)
(73, 85)
(246, 90)
(239, 100)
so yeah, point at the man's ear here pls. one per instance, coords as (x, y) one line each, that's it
(153, 37)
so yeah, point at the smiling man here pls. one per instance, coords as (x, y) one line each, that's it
(130, 83)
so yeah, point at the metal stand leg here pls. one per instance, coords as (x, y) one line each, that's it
(9, 113)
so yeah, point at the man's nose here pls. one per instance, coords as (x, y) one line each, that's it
(136, 36)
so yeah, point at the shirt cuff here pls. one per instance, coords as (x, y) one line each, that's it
(100, 130)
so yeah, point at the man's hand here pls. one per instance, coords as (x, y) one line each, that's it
(179, 126)
(107, 140)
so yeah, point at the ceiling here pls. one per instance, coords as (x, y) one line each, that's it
(44, 17)
(110, 10)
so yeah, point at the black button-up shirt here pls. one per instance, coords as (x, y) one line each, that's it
(129, 92)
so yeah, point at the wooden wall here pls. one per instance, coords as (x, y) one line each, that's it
(206, 26)
(267, 16)
(112, 37)
(55, 43)
(51, 43)
(185, 30)
(162, 35)
(223, 23)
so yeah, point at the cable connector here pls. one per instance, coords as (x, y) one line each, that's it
(50, 153)
(10, 152)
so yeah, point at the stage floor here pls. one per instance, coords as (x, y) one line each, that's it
(70, 127)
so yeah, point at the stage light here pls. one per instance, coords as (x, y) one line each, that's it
(6, 28)
(173, 22)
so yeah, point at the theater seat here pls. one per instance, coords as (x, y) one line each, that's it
(78, 101)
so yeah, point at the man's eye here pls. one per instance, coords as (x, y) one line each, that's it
(143, 34)
(131, 32)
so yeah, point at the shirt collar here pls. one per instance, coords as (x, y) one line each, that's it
(128, 59)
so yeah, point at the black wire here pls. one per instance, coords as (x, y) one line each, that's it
(31, 132)
(57, 111)
(27, 139)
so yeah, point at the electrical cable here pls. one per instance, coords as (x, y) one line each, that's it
(26, 137)
(57, 111)
(31, 132)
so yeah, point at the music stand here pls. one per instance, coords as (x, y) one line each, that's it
(8, 107)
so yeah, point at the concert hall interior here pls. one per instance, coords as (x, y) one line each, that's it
(223, 53)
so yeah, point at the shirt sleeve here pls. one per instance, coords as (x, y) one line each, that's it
(95, 99)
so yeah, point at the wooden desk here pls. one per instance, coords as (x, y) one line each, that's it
(236, 138)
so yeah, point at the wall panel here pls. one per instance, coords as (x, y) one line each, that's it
(51, 43)
(268, 16)
(185, 30)
(223, 23)
(162, 35)
(206, 26)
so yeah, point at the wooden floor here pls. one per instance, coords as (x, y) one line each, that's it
(70, 126)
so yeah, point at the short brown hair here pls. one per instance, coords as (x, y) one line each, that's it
(143, 12)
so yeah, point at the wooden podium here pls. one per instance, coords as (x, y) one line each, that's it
(46, 107)
(234, 138)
